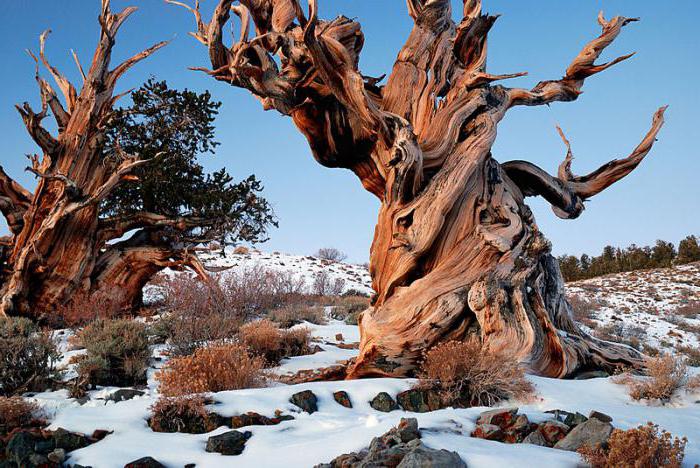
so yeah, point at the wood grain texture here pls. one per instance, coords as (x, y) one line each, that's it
(456, 250)
(59, 246)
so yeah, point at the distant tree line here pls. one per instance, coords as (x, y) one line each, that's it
(663, 254)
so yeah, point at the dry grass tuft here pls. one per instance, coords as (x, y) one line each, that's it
(667, 375)
(644, 446)
(181, 414)
(212, 369)
(262, 338)
(291, 315)
(16, 412)
(463, 372)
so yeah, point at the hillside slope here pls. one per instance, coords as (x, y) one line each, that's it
(659, 307)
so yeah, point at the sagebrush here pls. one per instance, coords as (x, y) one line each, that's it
(211, 369)
(262, 338)
(117, 353)
(466, 374)
(642, 447)
(27, 356)
(181, 414)
(16, 412)
(666, 375)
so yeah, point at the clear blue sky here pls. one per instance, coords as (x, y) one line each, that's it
(318, 206)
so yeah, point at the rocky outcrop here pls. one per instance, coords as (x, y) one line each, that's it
(30, 448)
(565, 431)
(401, 447)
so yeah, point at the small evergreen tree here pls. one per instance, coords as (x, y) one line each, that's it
(173, 128)
(688, 250)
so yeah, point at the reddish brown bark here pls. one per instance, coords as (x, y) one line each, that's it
(456, 250)
(58, 246)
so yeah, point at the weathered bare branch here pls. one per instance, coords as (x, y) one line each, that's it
(567, 192)
(569, 87)
(64, 85)
(14, 201)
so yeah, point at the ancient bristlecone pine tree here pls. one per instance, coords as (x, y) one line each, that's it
(58, 245)
(456, 250)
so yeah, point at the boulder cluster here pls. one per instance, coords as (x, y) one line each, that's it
(401, 447)
(565, 431)
(28, 448)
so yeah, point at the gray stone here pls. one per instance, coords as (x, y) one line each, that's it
(574, 419)
(228, 443)
(554, 430)
(536, 438)
(419, 400)
(424, 457)
(305, 400)
(488, 432)
(342, 398)
(600, 416)
(124, 394)
(68, 440)
(383, 402)
(145, 462)
(57, 456)
(593, 433)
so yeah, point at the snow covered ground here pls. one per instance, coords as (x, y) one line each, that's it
(303, 268)
(334, 429)
(645, 303)
(647, 299)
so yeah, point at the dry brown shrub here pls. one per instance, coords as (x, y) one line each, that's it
(212, 369)
(643, 447)
(465, 373)
(241, 250)
(198, 313)
(16, 412)
(85, 308)
(262, 338)
(690, 309)
(181, 414)
(692, 355)
(666, 376)
(583, 310)
(291, 315)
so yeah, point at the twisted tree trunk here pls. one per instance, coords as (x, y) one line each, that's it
(58, 245)
(456, 250)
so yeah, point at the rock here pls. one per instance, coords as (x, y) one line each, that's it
(342, 398)
(383, 402)
(124, 394)
(145, 462)
(228, 443)
(424, 457)
(419, 400)
(488, 432)
(593, 433)
(554, 431)
(254, 419)
(574, 419)
(599, 416)
(399, 447)
(69, 441)
(502, 417)
(305, 400)
(517, 432)
(36, 459)
(407, 430)
(21, 447)
(100, 434)
(559, 415)
(339, 337)
(57, 456)
(44, 445)
(536, 438)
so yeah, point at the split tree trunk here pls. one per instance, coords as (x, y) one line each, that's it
(456, 250)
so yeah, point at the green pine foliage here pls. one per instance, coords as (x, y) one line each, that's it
(174, 128)
(615, 260)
